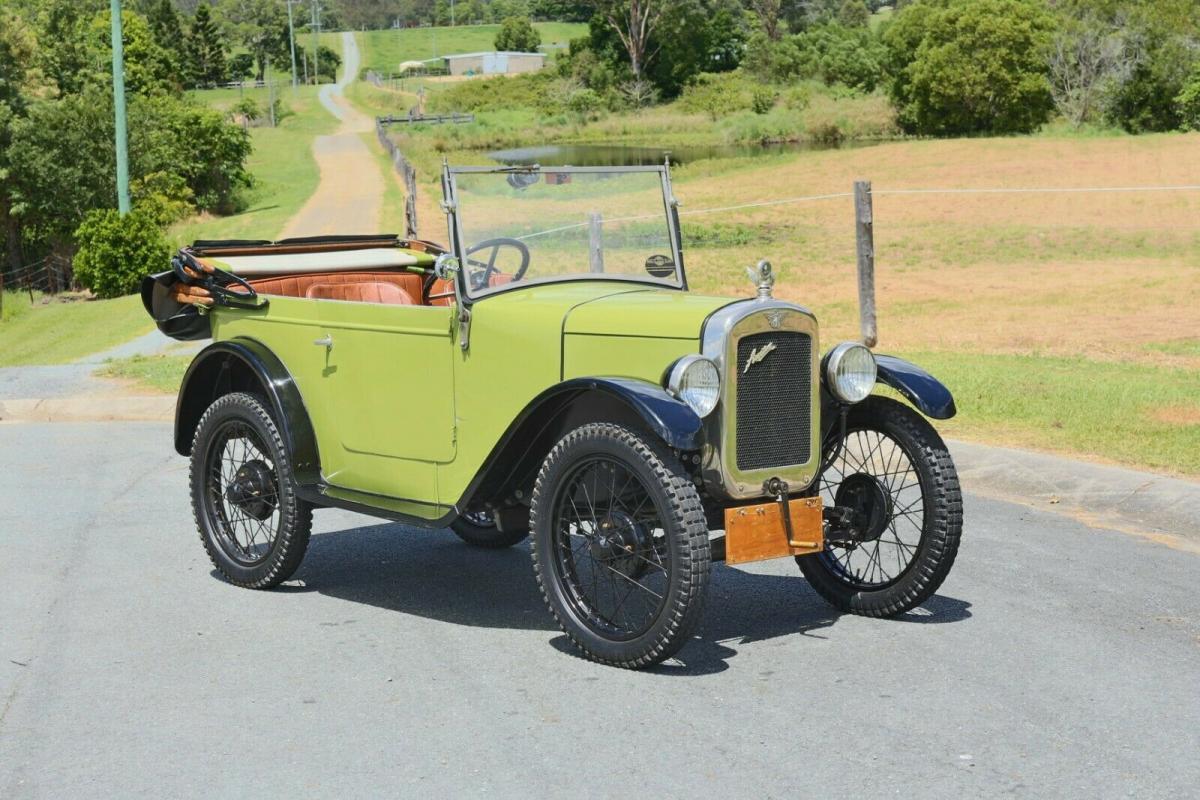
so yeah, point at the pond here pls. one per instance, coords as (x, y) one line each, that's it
(619, 155)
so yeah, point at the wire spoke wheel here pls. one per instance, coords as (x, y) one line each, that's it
(610, 548)
(253, 526)
(620, 545)
(895, 477)
(242, 493)
(875, 467)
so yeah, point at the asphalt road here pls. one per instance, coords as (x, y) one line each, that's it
(1058, 661)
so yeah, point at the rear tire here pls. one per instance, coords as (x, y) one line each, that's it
(893, 447)
(479, 529)
(253, 526)
(620, 545)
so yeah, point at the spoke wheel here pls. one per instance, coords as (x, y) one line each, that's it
(896, 475)
(253, 527)
(478, 529)
(620, 545)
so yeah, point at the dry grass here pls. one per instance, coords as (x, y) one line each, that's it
(1109, 276)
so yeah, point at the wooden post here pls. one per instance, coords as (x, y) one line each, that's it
(864, 229)
(410, 200)
(595, 242)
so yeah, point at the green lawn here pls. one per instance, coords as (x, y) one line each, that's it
(55, 331)
(163, 373)
(1137, 414)
(383, 51)
(285, 172)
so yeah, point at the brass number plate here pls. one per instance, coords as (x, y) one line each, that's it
(756, 533)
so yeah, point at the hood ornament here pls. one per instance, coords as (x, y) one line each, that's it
(763, 279)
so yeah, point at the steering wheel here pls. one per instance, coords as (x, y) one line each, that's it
(480, 279)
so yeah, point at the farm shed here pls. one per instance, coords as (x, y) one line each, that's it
(499, 63)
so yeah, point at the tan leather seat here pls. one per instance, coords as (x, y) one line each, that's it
(361, 292)
(297, 285)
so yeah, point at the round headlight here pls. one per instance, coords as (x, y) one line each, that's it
(850, 372)
(695, 381)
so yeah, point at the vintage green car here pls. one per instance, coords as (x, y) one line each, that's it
(549, 373)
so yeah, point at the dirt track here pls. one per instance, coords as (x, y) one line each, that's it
(350, 195)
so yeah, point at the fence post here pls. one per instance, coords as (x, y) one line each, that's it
(864, 229)
(595, 242)
(410, 200)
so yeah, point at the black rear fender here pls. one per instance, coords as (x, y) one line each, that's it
(246, 365)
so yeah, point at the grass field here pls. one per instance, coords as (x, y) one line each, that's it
(383, 51)
(162, 373)
(55, 331)
(285, 173)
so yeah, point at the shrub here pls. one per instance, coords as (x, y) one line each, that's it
(717, 94)
(517, 34)
(116, 251)
(966, 68)
(763, 100)
(1188, 102)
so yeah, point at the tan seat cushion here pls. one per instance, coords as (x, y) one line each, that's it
(362, 292)
(297, 285)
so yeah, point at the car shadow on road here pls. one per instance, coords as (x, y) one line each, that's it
(434, 575)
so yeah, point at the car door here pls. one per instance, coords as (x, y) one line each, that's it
(388, 377)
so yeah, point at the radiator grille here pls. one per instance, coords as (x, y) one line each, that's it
(774, 400)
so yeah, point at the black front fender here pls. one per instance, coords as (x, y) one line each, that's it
(671, 419)
(921, 389)
(250, 366)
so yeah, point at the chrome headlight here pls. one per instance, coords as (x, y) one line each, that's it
(695, 381)
(850, 372)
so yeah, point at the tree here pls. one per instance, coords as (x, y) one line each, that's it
(148, 67)
(115, 251)
(167, 31)
(206, 53)
(768, 12)
(854, 14)
(1088, 60)
(257, 24)
(1188, 102)
(969, 68)
(635, 23)
(517, 34)
(18, 80)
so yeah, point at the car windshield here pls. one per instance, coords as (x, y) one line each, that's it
(560, 223)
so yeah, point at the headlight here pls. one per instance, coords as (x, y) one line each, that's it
(695, 381)
(850, 372)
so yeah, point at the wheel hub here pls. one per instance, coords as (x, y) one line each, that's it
(870, 504)
(621, 543)
(253, 490)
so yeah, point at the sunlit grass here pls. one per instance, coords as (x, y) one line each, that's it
(54, 331)
(160, 373)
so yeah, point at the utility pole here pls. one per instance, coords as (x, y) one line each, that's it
(316, 66)
(122, 137)
(451, 13)
(292, 39)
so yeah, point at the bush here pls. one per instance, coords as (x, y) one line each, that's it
(763, 100)
(969, 68)
(116, 251)
(1188, 102)
(517, 34)
(717, 94)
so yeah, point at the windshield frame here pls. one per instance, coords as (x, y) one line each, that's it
(450, 205)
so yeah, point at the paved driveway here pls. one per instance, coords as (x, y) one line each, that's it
(1058, 661)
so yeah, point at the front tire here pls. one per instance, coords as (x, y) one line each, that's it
(896, 470)
(620, 545)
(253, 526)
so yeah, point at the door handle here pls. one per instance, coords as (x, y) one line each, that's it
(326, 341)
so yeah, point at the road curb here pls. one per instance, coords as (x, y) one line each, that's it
(1156, 506)
(106, 408)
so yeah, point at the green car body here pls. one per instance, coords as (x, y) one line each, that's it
(389, 364)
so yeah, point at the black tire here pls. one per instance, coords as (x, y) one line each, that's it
(242, 487)
(659, 543)
(925, 544)
(478, 530)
